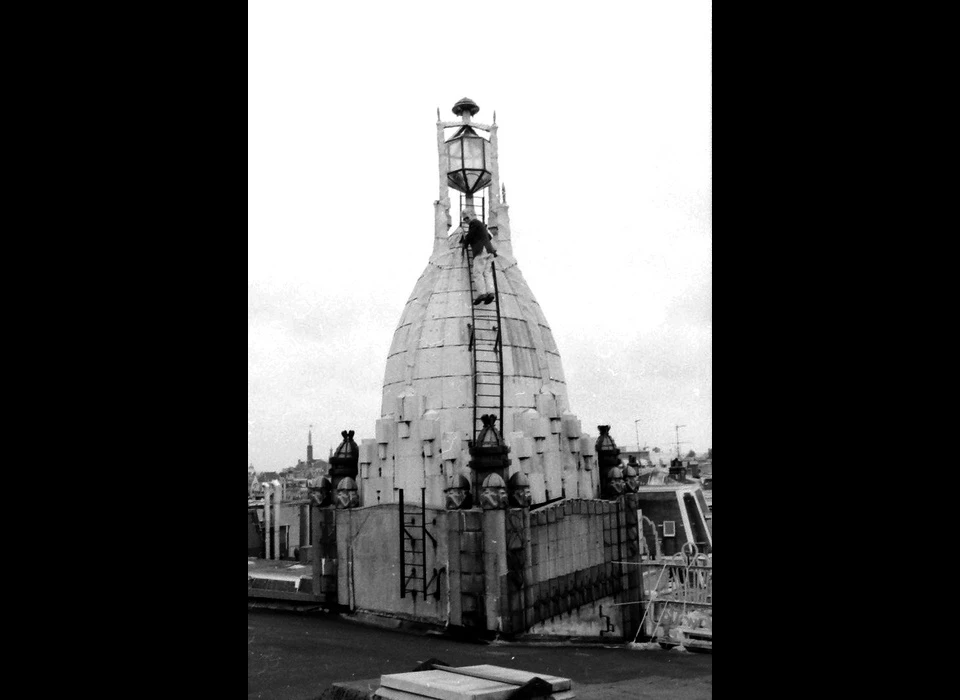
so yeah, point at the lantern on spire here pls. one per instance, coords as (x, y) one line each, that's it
(468, 153)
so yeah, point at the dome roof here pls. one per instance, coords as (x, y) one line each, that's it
(430, 353)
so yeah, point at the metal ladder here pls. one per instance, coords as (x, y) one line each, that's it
(486, 344)
(478, 203)
(413, 550)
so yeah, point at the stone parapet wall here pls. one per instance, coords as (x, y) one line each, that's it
(497, 571)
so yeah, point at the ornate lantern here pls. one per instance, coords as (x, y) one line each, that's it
(468, 154)
(608, 461)
(608, 454)
(345, 459)
(489, 453)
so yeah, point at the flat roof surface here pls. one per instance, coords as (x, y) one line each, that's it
(278, 570)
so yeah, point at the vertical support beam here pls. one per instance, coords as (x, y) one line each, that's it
(494, 170)
(494, 565)
(403, 566)
(277, 498)
(423, 537)
(316, 518)
(267, 531)
(304, 524)
(441, 160)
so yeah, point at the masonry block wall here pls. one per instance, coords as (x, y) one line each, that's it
(369, 563)
(321, 554)
(466, 580)
(542, 565)
(418, 447)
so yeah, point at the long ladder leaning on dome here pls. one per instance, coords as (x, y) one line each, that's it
(486, 342)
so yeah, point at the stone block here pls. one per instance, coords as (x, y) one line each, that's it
(399, 342)
(571, 428)
(546, 405)
(471, 520)
(367, 450)
(396, 370)
(413, 407)
(521, 446)
(431, 333)
(522, 362)
(588, 445)
(430, 390)
(452, 446)
(471, 542)
(429, 363)
(470, 564)
(455, 391)
(455, 361)
(555, 426)
(555, 367)
(384, 430)
(455, 331)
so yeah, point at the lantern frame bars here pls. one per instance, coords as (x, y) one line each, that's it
(485, 176)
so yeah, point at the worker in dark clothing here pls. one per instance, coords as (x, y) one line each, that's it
(478, 238)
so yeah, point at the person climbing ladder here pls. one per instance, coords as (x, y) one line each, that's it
(479, 240)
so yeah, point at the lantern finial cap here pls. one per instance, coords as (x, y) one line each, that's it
(465, 103)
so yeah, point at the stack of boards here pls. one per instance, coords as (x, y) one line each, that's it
(482, 682)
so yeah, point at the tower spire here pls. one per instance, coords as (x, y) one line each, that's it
(310, 446)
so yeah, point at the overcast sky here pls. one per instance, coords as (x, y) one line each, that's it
(605, 152)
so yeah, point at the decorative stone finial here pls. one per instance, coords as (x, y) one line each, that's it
(458, 496)
(347, 496)
(320, 491)
(614, 486)
(493, 493)
(519, 490)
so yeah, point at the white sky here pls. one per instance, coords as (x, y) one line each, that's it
(605, 151)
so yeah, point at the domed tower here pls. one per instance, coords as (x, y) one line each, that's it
(452, 361)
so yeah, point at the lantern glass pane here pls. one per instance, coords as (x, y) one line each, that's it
(473, 153)
(455, 180)
(455, 154)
